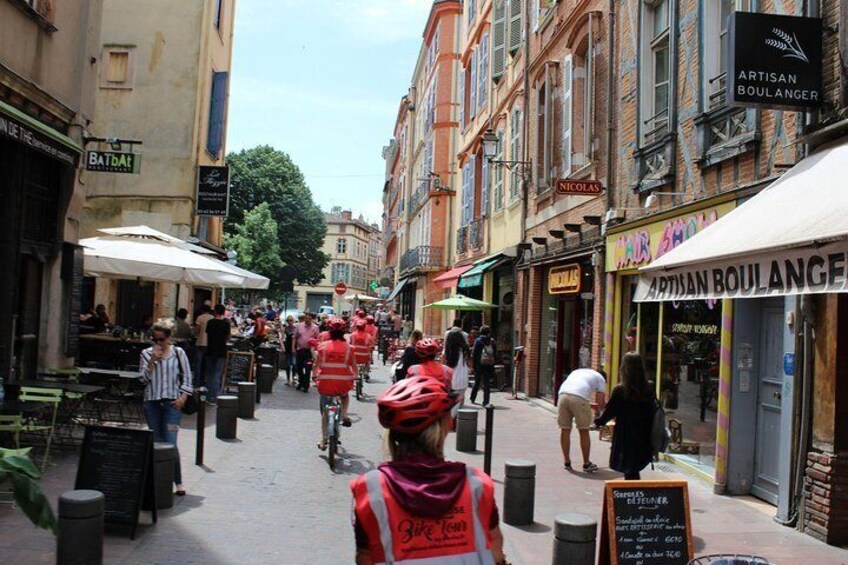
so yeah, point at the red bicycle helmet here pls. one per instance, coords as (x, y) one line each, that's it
(369, 319)
(359, 324)
(427, 347)
(360, 313)
(412, 404)
(336, 324)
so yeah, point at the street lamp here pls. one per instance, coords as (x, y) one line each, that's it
(490, 150)
(652, 199)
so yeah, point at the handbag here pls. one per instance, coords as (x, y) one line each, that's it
(191, 405)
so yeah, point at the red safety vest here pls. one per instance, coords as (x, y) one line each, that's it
(372, 331)
(334, 368)
(362, 343)
(432, 369)
(460, 537)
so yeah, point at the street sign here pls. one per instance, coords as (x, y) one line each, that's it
(374, 285)
(213, 191)
(340, 288)
(113, 162)
(579, 187)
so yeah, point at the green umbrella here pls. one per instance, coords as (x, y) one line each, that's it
(460, 302)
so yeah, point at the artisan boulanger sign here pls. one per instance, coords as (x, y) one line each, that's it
(579, 187)
(565, 279)
(213, 191)
(113, 162)
(774, 61)
(791, 272)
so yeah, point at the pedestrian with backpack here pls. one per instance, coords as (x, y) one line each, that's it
(633, 405)
(483, 360)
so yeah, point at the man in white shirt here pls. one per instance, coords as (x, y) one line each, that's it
(574, 403)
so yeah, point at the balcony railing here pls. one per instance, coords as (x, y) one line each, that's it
(469, 238)
(423, 257)
(417, 198)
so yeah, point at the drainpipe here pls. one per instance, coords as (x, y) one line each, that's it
(610, 194)
(525, 185)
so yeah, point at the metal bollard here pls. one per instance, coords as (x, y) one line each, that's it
(266, 378)
(487, 449)
(574, 539)
(80, 539)
(519, 492)
(466, 430)
(163, 473)
(226, 417)
(201, 425)
(246, 400)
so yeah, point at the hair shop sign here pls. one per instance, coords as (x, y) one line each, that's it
(792, 272)
(774, 61)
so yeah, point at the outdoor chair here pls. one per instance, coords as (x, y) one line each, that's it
(10, 424)
(36, 423)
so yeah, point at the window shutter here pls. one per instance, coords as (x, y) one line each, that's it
(567, 105)
(466, 197)
(472, 87)
(484, 187)
(483, 71)
(462, 75)
(472, 185)
(549, 124)
(516, 31)
(217, 108)
(499, 40)
(589, 97)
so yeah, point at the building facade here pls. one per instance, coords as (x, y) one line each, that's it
(48, 66)
(163, 82)
(348, 244)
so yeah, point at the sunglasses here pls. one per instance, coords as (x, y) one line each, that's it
(159, 339)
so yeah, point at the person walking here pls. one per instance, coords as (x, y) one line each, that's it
(406, 329)
(217, 336)
(631, 404)
(574, 399)
(456, 354)
(456, 327)
(288, 348)
(305, 334)
(409, 357)
(418, 491)
(200, 344)
(166, 375)
(483, 359)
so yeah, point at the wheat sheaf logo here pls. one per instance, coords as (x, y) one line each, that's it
(788, 44)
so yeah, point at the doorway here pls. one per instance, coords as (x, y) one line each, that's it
(28, 317)
(769, 396)
(559, 343)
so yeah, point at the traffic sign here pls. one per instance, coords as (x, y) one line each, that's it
(340, 288)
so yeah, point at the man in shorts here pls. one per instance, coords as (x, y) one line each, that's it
(574, 404)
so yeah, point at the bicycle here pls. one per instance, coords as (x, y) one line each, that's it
(360, 380)
(334, 429)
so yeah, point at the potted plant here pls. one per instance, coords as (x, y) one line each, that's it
(17, 468)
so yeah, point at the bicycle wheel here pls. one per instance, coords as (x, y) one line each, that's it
(331, 453)
(359, 387)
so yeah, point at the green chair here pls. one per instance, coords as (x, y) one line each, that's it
(51, 396)
(11, 424)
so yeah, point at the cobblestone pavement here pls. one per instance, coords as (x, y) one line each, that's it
(269, 497)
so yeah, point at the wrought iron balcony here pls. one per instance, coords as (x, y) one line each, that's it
(423, 258)
(469, 238)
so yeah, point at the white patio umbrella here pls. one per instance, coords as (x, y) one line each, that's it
(361, 298)
(153, 258)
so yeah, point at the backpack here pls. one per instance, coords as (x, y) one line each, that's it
(660, 436)
(487, 355)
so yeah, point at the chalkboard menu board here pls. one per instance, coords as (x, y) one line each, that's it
(646, 523)
(239, 368)
(119, 463)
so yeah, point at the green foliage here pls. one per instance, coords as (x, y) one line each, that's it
(15, 465)
(256, 242)
(266, 175)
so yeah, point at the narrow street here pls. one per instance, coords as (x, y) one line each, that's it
(270, 497)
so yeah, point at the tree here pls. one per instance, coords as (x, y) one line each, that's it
(256, 242)
(266, 175)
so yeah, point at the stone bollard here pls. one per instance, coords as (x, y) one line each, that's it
(466, 430)
(246, 400)
(574, 539)
(226, 417)
(266, 378)
(80, 539)
(519, 492)
(163, 473)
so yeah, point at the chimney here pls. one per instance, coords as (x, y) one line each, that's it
(347, 215)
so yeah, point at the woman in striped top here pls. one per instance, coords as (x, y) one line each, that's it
(166, 373)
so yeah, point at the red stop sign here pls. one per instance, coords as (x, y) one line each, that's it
(340, 288)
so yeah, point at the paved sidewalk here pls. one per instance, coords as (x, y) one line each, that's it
(269, 497)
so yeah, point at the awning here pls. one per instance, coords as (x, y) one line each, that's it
(396, 290)
(474, 276)
(448, 279)
(791, 238)
(25, 129)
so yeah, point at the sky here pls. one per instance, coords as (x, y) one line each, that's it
(322, 80)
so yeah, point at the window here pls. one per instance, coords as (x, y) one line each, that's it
(462, 78)
(341, 245)
(340, 272)
(217, 111)
(498, 181)
(471, 6)
(219, 13)
(468, 192)
(567, 113)
(472, 87)
(516, 27)
(483, 70)
(716, 14)
(544, 139)
(515, 154)
(578, 92)
(655, 70)
(118, 67)
(498, 40)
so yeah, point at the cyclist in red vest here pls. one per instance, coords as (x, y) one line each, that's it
(419, 506)
(363, 344)
(335, 372)
(427, 350)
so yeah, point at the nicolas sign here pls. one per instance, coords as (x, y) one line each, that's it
(774, 61)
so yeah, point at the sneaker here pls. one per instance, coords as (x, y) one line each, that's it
(590, 467)
(347, 423)
(567, 465)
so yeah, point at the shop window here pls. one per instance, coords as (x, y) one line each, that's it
(118, 67)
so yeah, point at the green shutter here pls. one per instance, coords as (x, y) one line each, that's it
(499, 40)
(516, 31)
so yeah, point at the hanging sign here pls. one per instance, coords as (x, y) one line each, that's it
(579, 187)
(213, 191)
(774, 61)
(565, 280)
(113, 162)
